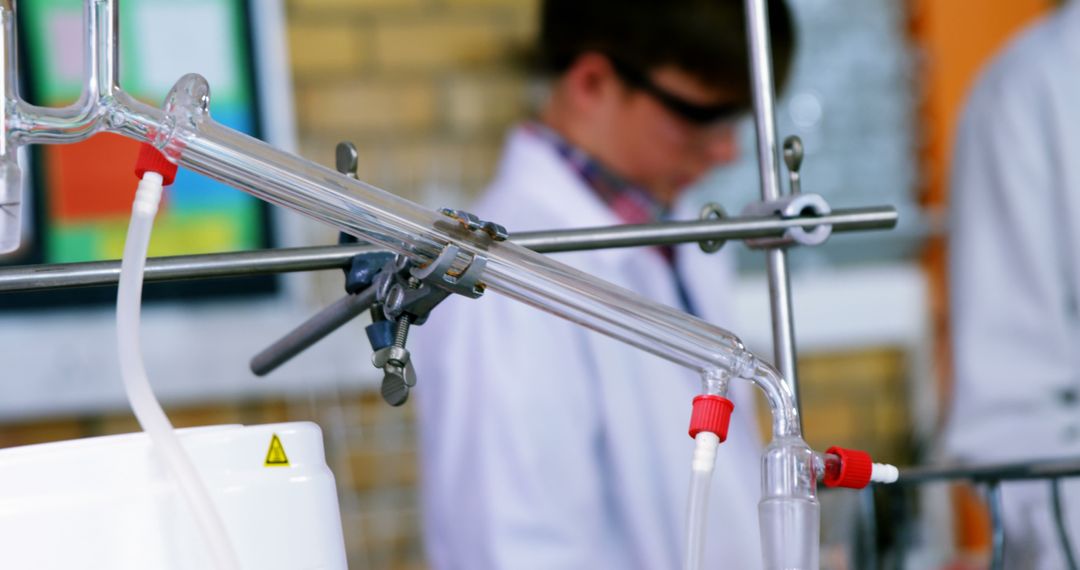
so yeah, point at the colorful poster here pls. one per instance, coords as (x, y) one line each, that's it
(83, 192)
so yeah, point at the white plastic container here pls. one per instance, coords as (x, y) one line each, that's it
(107, 502)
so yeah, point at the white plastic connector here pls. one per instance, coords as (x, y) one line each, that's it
(148, 194)
(884, 473)
(705, 452)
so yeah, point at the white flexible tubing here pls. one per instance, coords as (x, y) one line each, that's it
(697, 509)
(146, 407)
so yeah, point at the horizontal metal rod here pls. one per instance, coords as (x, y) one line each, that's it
(1045, 469)
(669, 233)
(260, 262)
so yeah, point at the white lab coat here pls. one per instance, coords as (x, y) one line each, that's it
(1015, 273)
(547, 446)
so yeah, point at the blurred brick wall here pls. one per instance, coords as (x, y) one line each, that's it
(425, 88)
(858, 399)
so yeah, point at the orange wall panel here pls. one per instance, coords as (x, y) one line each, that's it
(956, 39)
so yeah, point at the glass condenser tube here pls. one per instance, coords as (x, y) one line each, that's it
(185, 132)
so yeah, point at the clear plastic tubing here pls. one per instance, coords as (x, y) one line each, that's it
(133, 371)
(701, 470)
(185, 133)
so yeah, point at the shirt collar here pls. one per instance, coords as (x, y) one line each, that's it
(630, 203)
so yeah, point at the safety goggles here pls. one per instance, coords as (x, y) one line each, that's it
(691, 112)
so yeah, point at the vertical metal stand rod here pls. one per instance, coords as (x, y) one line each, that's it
(997, 551)
(757, 25)
(1059, 525)
(761, 76)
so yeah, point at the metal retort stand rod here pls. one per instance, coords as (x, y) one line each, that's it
(783, 328)
(65, 275)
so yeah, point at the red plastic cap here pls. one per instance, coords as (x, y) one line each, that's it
(855, 469)
(151, 160)
(711, 413)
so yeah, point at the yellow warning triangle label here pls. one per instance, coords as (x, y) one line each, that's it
(275, 456)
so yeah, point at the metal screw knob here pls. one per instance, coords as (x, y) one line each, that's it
(346, 159)
(398, 373)
(793, 157)
(394, 390)
(793, 153)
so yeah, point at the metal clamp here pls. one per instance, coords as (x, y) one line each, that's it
(406, 295)
(472, 223)
(799, 205)
(453, 270)
(399, 295)
(794, 205)
(441, 273)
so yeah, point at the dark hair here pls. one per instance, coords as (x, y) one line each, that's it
(705, 38)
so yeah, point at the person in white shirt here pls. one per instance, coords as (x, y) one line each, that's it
(1015, 277)
(547, 446)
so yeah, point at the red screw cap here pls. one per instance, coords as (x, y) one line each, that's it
(855, 469)
(151, 160)
(711, 413)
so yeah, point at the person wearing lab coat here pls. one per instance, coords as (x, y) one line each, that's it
(1015, 276)
(545, 445)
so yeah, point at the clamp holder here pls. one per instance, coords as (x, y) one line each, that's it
(712, 211)
(453, 270)
(398, 293)
(793, 205)
(405, 295)
(787, 207)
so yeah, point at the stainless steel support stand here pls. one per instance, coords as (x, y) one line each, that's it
(757, 24)
(66, 275)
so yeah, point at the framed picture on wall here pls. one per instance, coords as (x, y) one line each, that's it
(80, 194)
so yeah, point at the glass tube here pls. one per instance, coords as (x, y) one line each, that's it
(185, 132)
(10, 180)
(789, 514)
